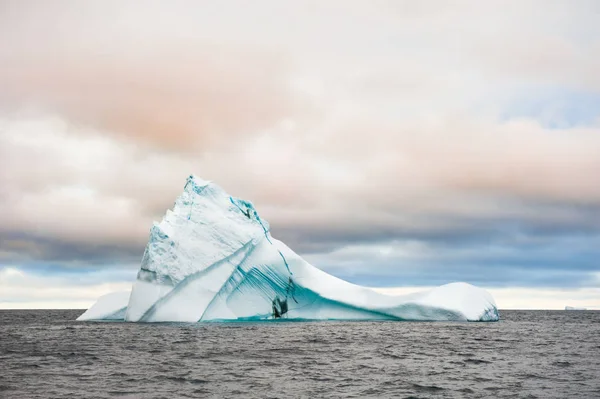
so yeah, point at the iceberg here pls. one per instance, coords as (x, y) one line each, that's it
(212, 258)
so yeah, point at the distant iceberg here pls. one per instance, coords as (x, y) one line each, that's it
(574, 308)
(212, 258)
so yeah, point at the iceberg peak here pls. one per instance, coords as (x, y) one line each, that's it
(212, 257)
(196, 184)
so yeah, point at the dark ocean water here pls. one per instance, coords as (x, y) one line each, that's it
(543, 354)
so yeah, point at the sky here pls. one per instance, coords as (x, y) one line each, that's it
(395, 144)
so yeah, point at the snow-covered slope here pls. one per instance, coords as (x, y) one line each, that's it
(213, 258)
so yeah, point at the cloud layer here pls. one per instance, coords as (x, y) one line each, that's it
(390, 142)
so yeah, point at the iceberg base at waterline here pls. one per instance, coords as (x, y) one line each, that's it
(108, 307)
(212, 258)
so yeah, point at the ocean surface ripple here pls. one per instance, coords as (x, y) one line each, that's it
(528, 354)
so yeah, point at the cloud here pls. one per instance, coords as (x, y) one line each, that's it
(22, 290)
(168, 90)
(92, 191)
(349, 127)
(514, 259)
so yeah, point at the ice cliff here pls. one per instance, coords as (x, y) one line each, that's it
(212, 258)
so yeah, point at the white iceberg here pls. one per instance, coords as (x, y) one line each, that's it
(574, 308)
(212, 258)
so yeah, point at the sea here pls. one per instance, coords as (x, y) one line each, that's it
(527, 354)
